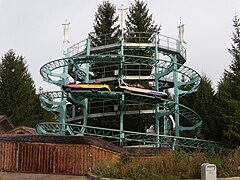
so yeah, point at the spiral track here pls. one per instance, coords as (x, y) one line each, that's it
(115, 63)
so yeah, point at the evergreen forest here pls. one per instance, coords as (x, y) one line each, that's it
(219, 108)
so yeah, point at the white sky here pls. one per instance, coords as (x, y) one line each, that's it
(33, 29)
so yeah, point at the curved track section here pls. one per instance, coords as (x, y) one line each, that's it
(189, 85)
(192, 79)
(139, 138)
(52, 101)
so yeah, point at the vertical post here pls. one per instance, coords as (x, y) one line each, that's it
(157, 111)
(165, 128)
(17, 156)
(73, 106)
(88, 54)
(85, 111)
(121, 120)
(176, 94)
(175, 78)
(90, 158)
(73, 111)
(123, 58)
(122, 97)
(63, 114)
(63, 109)
(66, 53)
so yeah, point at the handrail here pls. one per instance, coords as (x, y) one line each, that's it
(164, 41)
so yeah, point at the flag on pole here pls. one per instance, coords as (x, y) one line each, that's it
(181, 33)
(65, 32)
(122, 17)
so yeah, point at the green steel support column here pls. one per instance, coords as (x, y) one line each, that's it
(121, 72)
(122, 98)
(176, 94)
(157, 111)
(165, 128)
(121, 120)
(176, 90)
(73, 106)
(88, 53)
(63, 109)
(63, 112)
(73, 111)
(85, 112)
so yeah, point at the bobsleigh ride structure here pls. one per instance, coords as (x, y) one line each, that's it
(134, 57)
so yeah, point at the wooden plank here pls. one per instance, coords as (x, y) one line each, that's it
(71, 159)
(39, 157)
(101, 155)
(8, 156)
(36, 157)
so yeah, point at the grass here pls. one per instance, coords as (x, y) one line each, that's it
(172, 165)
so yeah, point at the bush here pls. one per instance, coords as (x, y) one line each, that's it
(172, 165)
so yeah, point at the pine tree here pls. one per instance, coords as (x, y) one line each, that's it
(139, 29)
(106, 32)
(105, 24)
(18, 99)
(228, 95)
(203, 103)
(140, 25)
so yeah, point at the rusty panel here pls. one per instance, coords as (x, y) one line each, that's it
(100, 155)
(8, 156)
(36, 157)
(72, 159)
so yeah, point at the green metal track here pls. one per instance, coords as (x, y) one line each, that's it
(75, 66)
(113, 134)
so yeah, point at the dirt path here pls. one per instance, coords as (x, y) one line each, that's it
(32, 176)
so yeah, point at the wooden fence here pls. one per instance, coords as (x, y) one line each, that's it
(28, 153)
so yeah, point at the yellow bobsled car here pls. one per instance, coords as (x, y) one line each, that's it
(86, 86)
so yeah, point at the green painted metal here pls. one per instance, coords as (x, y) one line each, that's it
(130, 136)
(85, 101)
(121, 120)
(75, 67)
(122, 96)
(156, 82)
(176, 94)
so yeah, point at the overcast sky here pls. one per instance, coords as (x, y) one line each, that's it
(33, 29)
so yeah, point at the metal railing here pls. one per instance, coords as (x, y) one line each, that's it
(76, 48)
(129, 136)
(165, 42)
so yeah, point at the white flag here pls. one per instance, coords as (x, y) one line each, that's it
(65, 32)
(181, 33)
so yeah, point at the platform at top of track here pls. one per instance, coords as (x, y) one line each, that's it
(180, 55)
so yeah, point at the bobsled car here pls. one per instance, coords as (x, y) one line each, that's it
(86, 86)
